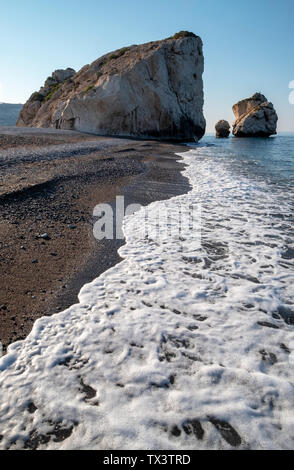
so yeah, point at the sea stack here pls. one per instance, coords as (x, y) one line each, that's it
(222, 129)
(255, 117)
(154, 90)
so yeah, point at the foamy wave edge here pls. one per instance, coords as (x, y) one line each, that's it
(164, 351)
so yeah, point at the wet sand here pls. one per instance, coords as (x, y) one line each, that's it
(50, 182)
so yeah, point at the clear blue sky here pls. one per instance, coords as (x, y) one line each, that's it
(248, 45)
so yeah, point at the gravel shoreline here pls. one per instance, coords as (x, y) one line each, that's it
(52, 189)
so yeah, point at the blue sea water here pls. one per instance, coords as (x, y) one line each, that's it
(262, 170)
(271, 159)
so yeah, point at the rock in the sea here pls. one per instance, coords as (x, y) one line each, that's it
(222, 129)
(154, 90)
(255, 117)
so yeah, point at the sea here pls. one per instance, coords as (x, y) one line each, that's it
(263, 169)
(188, 343)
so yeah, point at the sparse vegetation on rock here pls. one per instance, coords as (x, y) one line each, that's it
(37, 97)
(183, 34)
(53, 90)
(89, 89)
(152, 90)
(116, 55)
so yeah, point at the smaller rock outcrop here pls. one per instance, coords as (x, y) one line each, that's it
(222, 129)
(51, 86)
(255, 117)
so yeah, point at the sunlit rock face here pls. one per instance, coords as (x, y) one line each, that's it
(255, 117)
(154, 90)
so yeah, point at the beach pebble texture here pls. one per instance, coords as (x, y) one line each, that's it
(20, 154)
(150, 90)
(52, 189)
(181, 345)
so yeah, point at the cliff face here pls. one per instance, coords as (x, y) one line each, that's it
(255, 117)
(153, 90)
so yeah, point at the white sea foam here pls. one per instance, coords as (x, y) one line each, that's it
(177, 342)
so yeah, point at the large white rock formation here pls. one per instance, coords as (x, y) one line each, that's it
(154, 90)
